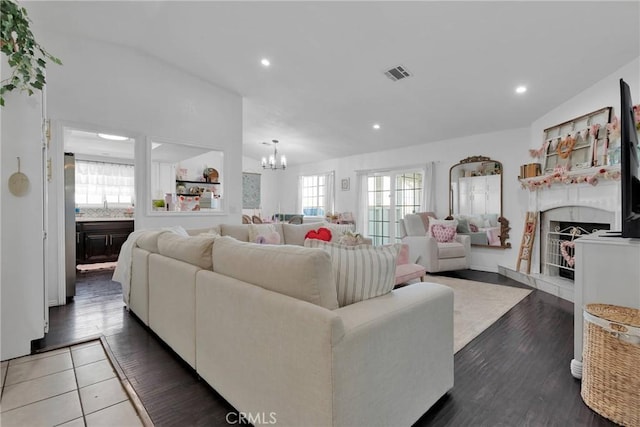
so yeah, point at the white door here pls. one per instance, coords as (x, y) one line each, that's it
(390, 196)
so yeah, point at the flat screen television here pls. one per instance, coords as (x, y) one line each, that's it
(630, 182)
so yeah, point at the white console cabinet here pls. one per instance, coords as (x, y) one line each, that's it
(607, 272)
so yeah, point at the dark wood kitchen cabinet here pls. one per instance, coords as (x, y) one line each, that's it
(100, 241)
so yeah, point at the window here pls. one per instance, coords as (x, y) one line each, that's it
(408, 196)
(316, 194)
(387, 203)
(98, 182)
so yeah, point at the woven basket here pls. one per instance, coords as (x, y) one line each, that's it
(611, 362)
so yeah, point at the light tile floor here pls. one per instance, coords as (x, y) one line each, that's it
(72, 386)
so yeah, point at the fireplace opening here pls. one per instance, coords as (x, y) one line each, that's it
(561, 247)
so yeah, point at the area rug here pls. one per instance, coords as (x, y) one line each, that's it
(477, 305)
(100, 266)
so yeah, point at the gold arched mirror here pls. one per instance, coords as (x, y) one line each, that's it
(475, 200)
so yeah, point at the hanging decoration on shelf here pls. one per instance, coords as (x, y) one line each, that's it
(562, 176)
(614, 128)
(540, 151)
(565, 147)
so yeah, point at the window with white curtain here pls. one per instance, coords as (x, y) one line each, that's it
(99, 182)
(317, 194)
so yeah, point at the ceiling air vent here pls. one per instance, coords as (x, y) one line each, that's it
(397, 73)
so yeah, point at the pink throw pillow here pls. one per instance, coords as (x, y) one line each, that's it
(403, 255)
(443, 233)
(473, 228)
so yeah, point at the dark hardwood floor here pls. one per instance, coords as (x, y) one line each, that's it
(516, 373)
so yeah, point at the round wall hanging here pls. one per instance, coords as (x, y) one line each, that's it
(18, 182)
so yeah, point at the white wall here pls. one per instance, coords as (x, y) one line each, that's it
(22, 271)
(605, 93)
(509, 147)
(115, 90)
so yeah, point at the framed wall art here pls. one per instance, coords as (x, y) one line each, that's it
(250, 190)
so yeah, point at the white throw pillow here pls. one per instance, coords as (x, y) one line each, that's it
(338, 230)
(256, 230)
(361, 272)
(177, 229)
(476, 220)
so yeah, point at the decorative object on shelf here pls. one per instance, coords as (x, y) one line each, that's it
(565, 177)
(580, 141)
(210, 175)
(565, 147)
(26, 58)
(272, 162)
(530, 170)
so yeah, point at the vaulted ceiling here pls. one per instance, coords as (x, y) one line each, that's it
(326, 85)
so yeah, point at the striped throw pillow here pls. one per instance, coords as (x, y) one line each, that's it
(362, 271)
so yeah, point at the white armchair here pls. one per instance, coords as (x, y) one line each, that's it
(425, 250)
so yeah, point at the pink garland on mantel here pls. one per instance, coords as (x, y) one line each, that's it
(563, 177)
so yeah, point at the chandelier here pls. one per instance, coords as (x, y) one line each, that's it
(272, 162)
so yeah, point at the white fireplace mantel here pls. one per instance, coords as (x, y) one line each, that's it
(566, 202)
(604, 196)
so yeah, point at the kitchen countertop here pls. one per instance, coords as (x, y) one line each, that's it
(96, 219)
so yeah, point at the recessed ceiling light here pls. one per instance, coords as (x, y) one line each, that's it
(112, 137)
(265, 62)
(521, 89)
(376, 126)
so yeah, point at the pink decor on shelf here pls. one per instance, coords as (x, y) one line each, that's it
(566, 178)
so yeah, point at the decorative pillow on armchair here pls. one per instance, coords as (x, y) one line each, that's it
(443, 233)
(447, 222)
(361, 272)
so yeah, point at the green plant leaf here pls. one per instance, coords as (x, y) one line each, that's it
(26, 58)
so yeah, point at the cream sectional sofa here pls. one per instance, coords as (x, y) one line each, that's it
(262, 326)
